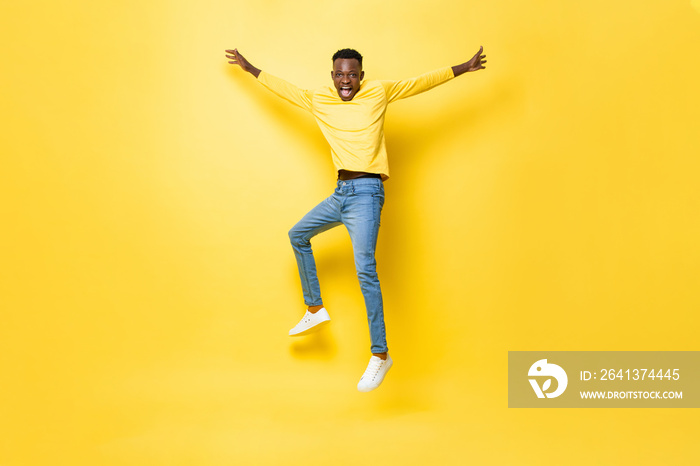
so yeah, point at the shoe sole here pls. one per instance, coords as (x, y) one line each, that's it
(313, 329)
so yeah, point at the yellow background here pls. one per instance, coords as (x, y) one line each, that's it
(549, 202)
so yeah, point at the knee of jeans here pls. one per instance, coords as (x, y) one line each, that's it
(365, 261)
(368, 276)
(296, 238)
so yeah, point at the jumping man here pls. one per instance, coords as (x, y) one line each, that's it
(351, 116)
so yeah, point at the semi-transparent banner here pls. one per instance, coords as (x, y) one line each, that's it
(604, 379)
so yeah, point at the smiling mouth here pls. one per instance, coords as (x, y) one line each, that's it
(345, 91)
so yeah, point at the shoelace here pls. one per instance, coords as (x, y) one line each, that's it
(373, 368)
(304, 320)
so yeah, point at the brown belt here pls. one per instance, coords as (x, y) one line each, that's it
(345, 175)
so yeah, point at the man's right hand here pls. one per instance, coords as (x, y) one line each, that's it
(238, 59)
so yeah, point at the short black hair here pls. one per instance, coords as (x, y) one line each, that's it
(348, 53)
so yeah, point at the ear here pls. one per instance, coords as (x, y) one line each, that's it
(332, 74)
(362, 75)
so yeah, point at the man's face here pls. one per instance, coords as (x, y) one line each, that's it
(347, 74)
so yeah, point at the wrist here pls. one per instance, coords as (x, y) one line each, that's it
(459, 69)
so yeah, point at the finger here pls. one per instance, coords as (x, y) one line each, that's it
(483, 61)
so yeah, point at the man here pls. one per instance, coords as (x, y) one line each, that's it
(351, 117)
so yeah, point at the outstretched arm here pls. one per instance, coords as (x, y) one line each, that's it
(396, 90)
(238, 59)
(290, 92)
(474, 64)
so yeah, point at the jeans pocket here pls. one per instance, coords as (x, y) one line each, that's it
(379, 195)
(366, 190)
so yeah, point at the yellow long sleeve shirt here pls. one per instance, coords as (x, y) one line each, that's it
(355, 129)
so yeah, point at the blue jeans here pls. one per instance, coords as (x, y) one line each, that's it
(357, 204)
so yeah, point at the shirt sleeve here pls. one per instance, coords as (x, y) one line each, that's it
(287, 91)
(396, 90)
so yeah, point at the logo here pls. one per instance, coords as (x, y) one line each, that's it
(543, 369)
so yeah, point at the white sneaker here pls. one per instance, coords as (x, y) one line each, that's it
(374, 375)
(310, 322)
